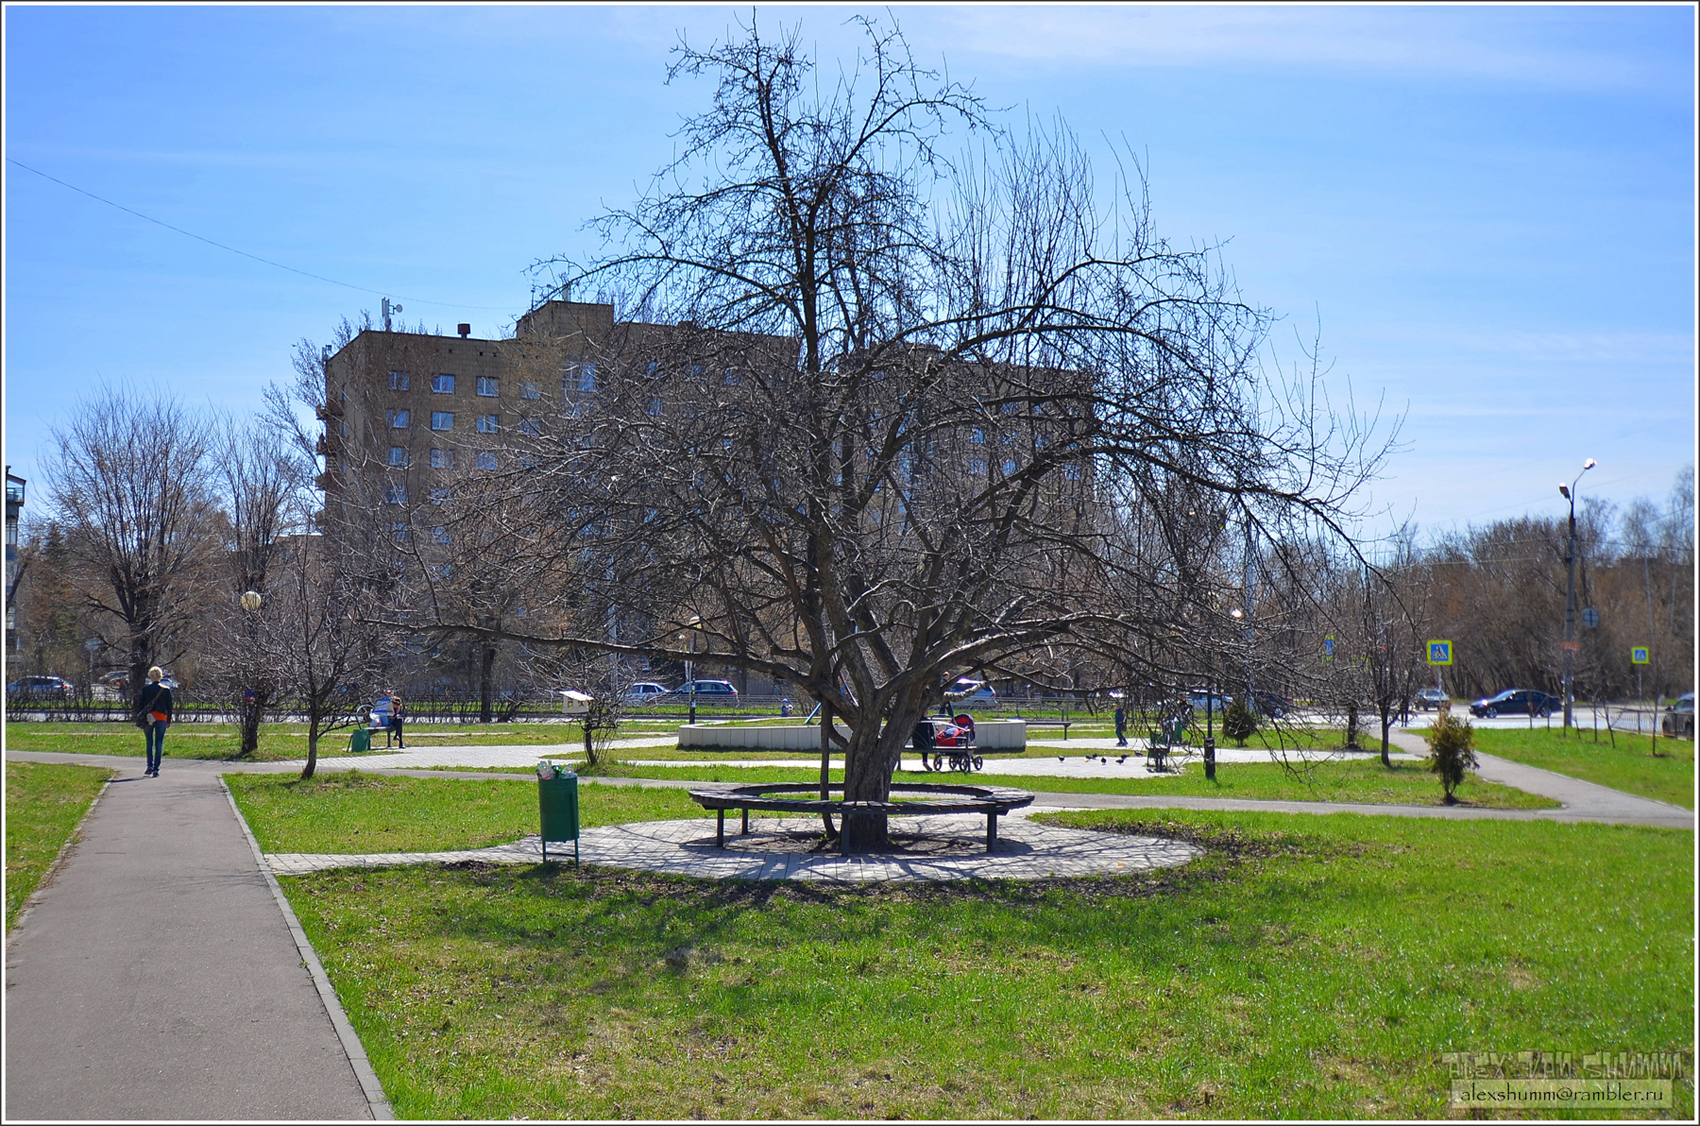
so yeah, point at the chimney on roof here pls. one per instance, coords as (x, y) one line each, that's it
(464, 329)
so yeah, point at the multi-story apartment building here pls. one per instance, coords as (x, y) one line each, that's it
(14, 509)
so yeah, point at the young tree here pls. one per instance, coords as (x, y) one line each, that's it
(918, 416)
(130, 481)
(261, 479)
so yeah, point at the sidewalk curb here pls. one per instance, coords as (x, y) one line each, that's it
(64, 854)
(376, 1100)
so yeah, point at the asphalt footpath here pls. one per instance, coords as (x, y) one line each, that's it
(156, 976)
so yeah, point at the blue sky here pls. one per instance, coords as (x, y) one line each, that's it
(1490, 211)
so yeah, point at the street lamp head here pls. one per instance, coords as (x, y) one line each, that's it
(1236, 612)
(251, 600)
(1564, 490)
(1589, 464)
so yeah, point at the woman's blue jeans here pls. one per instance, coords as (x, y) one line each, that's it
(156, 744)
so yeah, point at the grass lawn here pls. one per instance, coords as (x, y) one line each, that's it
(1630, 766)
(1405, 783)
(354, 812)
(1305, 967)
(280, 742)
(44, 802)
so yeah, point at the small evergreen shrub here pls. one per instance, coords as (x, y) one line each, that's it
(1450, 752)
(1239, 722)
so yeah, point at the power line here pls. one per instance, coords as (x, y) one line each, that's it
(244, 253)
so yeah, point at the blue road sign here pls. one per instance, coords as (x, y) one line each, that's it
(1638, 655)
(1328, 648)
(1440, 652)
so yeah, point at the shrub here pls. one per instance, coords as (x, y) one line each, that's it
(1450, 752)
(1239, 722)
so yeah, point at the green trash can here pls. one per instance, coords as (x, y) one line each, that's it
(557, 799)
(360, 739)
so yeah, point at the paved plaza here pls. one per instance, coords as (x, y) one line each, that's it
(950, 847)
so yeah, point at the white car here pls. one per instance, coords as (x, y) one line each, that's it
(967, 688)
(644, 691)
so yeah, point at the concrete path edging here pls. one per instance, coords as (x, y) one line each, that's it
(357, 1059)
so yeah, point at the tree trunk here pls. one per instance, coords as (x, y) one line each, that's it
(826, 764)
(1386, 726)
(251, 726)
(312, 748)
(1352, 726)
(487, 664)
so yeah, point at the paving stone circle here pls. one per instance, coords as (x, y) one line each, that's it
(783, 848)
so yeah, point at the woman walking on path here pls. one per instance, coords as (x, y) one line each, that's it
(395, 724)
(153, 710)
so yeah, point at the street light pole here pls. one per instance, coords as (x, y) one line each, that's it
(1568, 492)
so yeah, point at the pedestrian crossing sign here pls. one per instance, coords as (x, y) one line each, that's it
(1328, 649)
(1440, 652)
(1638, 655)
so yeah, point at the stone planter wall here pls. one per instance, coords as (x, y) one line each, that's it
(989, 735)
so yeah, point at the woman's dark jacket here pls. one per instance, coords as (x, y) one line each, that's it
(155, 698)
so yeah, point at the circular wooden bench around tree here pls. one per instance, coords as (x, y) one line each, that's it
(993, 801)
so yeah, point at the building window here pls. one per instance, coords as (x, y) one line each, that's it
(398, 420)
(587, 376)
(655, 408)
(444, 570)
(486, 459)
(529, 391)
(398, 532)
(529, 426)
(1071, 472)
(395, 494)
(652, 369)
(730, 378)
(1012, 408)
(978, 437)
(399, 380)
(977, 466)
(439, 534)
(442, 420)
(439, 496)
(487, 385)
(443, 384)
(398, 456)
(442, 459)
(1008, 468)
(487, 423)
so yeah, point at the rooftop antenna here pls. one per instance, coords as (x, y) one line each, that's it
(387, 310)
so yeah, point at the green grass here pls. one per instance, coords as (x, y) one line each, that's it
(354, 812)
(1405, 783)
(280, 742)
(1629, 766)
(44, 803)
(1305, 967)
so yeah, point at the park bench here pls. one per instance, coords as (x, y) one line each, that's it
(993, 801)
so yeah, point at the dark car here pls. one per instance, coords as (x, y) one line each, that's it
(40, 688)
(1272, 704)
(1517, 701)
(1430, 700)
(1679, 717)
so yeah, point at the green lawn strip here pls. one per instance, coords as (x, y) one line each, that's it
(351, 812)
(1630, 766)
(44, 803)
(1306, 967)
(1405, 783)
(218, 741)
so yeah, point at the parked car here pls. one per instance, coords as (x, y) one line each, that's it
(1218, 703)
(721, 689)
(1517, 701)
(1272, 704)
(967, 688)
(1430, 700)
(644, 691)
(41, 688)
(1679, 717)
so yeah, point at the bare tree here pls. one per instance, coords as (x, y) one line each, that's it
(917, 416)
(316, 639)
(130, 481)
